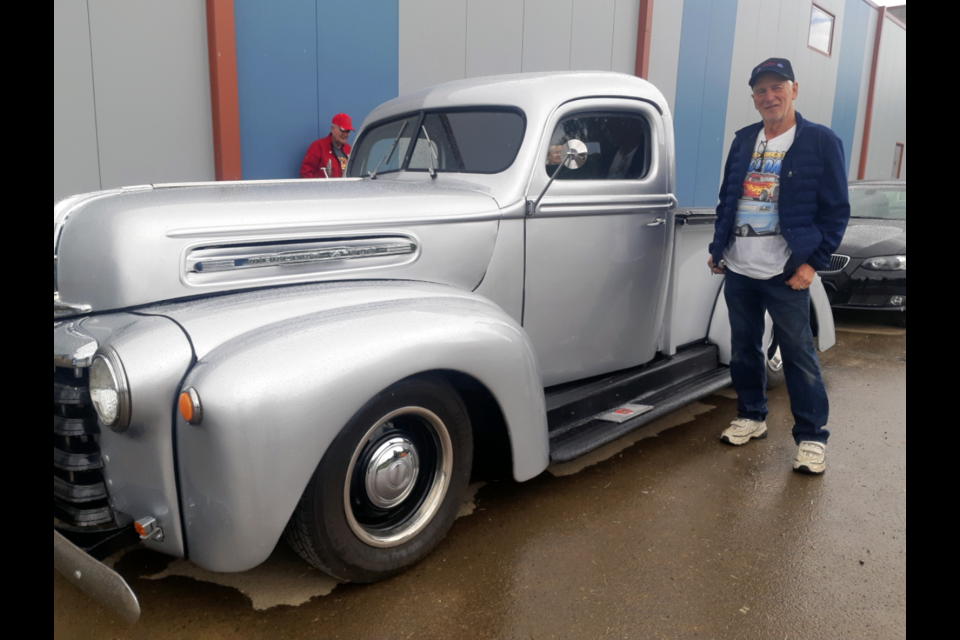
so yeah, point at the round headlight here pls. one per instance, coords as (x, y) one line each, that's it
(890, 263)
(109, 390)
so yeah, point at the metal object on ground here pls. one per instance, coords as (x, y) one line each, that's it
(95, 579)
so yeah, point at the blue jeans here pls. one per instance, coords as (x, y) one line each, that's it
(748, 301)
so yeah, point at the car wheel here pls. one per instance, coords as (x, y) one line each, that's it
(902, 320)
(764, 197)
(775, 374)
(390, 486)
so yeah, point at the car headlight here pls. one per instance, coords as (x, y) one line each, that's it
(891, 263)
(109, 390)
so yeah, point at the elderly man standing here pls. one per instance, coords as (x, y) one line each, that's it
(327, 158)
(784, 208)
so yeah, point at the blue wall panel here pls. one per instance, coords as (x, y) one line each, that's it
(703, 86)
(856, 33)
(359, 57)
(277, 85)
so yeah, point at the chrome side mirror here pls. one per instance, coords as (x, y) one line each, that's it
(573, 156)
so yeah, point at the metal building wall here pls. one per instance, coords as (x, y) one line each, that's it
(855, 152)
(76, 166)
(703, 90)
(890, 106)
(445, 40)
(665, 48)
(141, 73)
(301, 62)
(781, 29)
(850, 86)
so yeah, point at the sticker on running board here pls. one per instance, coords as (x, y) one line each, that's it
(625, 413)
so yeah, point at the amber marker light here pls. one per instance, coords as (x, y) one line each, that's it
(190, 408)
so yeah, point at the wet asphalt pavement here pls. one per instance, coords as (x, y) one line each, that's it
(665, 535)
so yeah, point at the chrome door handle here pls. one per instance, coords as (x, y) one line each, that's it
(658, 222)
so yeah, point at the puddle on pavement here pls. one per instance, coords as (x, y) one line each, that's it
(284, 580)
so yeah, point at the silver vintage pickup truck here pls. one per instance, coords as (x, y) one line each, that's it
(504, 278)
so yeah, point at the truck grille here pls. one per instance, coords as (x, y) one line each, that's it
(838, 264)
(80, 497)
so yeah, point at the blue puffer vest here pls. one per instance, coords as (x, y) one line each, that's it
(814, 194)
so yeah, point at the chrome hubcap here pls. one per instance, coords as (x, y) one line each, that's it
(392, 473)
(398, 478)
(776, 362)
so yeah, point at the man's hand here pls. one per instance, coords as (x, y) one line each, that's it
(803, 278)
(715, 270)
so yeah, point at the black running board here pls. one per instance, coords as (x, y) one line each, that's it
(588, 436)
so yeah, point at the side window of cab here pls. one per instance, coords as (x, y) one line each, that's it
(619, 146)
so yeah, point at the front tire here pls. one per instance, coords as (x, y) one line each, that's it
(390, 486)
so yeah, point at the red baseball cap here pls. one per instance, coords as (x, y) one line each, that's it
(343, 121)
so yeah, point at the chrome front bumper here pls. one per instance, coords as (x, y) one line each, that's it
(96, 580)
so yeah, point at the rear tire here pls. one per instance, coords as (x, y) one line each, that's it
(390, 486)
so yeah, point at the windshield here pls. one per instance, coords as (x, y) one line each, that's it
(463, 141)
(879, 204)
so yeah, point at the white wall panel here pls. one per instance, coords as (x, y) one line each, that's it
(592, 39)
(152, 91)
(494, 37)
(740, 109)
(76, 166)
(625, 35)
(781, 29)
(547, 31)
(890, 106)
(433, 35)
(665, 46)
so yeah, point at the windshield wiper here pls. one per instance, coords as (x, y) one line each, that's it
(433, 169)
(386, 158)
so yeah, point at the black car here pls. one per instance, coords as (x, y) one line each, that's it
(869, 270)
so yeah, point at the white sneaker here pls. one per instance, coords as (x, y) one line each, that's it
(743, 431)
(811, 459)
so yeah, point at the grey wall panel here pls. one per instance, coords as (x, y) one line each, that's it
(857, 149)
(76, 167)
(592, 35)
(547, 31)
(890, 106)
(665, 47)
(494, 37)
(152, 91)
(433, 38)
(625, 35)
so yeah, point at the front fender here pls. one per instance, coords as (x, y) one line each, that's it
(275, 396)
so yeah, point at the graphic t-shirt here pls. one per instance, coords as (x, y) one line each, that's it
(757, 249)
(342, 157)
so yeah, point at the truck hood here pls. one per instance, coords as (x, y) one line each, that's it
(142, 245)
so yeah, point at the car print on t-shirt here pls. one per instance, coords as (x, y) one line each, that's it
(758, 214)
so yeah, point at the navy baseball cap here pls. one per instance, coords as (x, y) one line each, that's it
(780, 66)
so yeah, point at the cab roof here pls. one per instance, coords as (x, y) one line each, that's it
(536, 94)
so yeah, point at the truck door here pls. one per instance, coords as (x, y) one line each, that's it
(598, 246)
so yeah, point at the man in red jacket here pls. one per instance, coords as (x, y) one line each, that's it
(327, 158)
